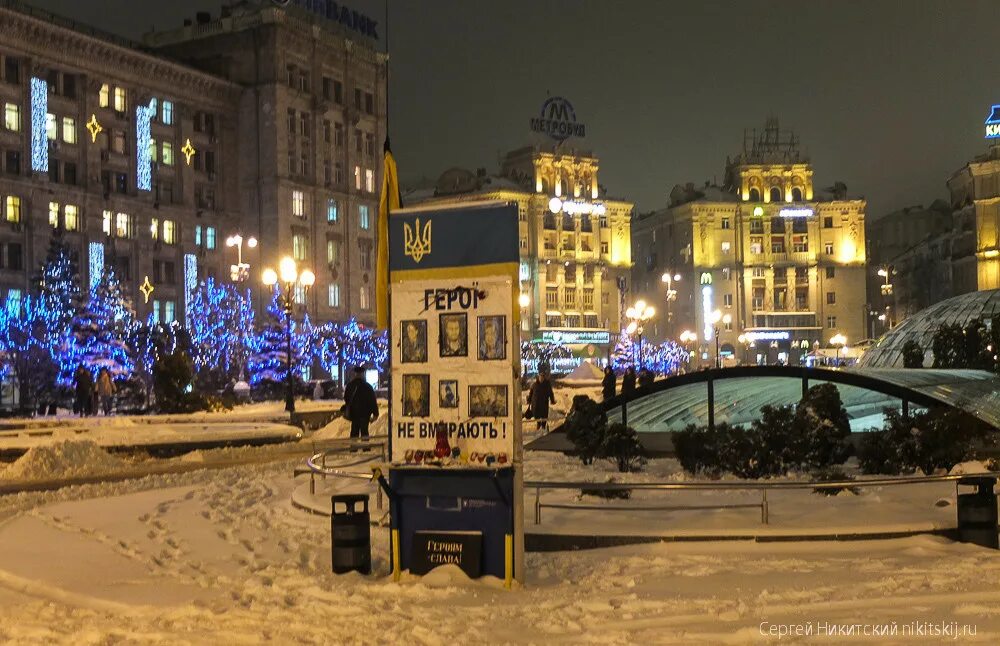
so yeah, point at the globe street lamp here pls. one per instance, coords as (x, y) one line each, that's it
(687, 338)
(747, 343)
(840, 341)
(291, 278)
(717, 316)
(241, 270)
(637, 315)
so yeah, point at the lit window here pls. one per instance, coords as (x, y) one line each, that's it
(104, 96)
(725, 223)
(153, 150)
(169, 315)
(51, 128)
(828, 248)
(299, 243)
(197, 235)
(106, 223)
(154, 228)
(831, 298)
(13, 208)
(210, 237)
(169, 232)
(69, 130)
(123, 225)
(357, 178)
(167, 113)
(54, 215)
(71, 217)
(363, 220)
(157, 311)
(331, 210)
(369, 180)
(333, 295)
(365, 300)
(332, 251)
(168, 153)
(299, 294)
(12, 117)
(120, 103)
(831, 272)
(298, 203)
(725, 247)
(831, 322)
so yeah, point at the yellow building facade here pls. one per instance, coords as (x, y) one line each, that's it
(773, 266)
(575, 241)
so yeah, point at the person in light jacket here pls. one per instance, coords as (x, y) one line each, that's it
(105, 390)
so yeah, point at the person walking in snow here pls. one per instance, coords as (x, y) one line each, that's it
(628, 381)
(360, 405)
(539, 398)
(608, 383)
(105, 390)
(84, 390)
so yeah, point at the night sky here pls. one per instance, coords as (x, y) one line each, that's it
(889, 97)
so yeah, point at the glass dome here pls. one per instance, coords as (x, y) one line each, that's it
(887, 352)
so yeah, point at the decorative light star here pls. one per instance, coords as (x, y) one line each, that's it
(188, 151)
(94, 127)
(146, 288)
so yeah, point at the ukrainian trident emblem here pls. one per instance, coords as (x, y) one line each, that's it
(417, 243)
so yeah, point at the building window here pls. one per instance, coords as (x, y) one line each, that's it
(104, 96)
(831, 272)
(357, 178)
(69, 130)
(154, 228)
(331, 210)
(106, 222)
(51, 128)
(304, 124)
(13, 204)
(298, 203)
(338, 134)
(796, 194)
(123, 225)
(828, 248)
(363, 219)
(756, 244)
(365, 300)
(168, 153)
(169, 232)
(71, 217)
(338, 174)
(12, 117)
(754, 195)
(369, 180)
(299, 244)
(727, 300)
(775, 194)
(777, 244)
(299, 294)
(210, 237)
(831, 298)
(757, 272)
(604, 248)
(827, 222)
(800, 244)
(725, 223)
(726, 247)
(756, 226)
(13, 303)
(332, 251)
(304, 163)
(365, 255)
(588, 299)
(553, 319)
(118, 141)
(333, 295)
(551, 297)
(569, 295)
(167, 113)
(831, 322)
(291, 121)
(121, 102)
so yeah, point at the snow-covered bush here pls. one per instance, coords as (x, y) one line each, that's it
(936, 439)
(585, 426)
(621, 445)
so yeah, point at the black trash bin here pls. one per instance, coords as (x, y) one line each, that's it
(350, 531)
(977, 512)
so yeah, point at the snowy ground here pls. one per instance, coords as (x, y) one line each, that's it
(222, 557)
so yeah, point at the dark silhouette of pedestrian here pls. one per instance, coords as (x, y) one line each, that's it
(608, 383)
(539, 398)
(628, 381)
(360, 405)
(646, 377)
(84, 381)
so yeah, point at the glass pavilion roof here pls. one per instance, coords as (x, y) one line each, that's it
(887, 351)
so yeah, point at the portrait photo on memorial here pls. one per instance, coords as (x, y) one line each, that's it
(492, 338)
(416, 395)
(453, 333)
(448, 393)
(413, 347)
(488, 401)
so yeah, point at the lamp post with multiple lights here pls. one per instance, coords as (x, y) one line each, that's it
(840, 341)
(241, 270)
(637, 315)
(726, 319)
(291, 278)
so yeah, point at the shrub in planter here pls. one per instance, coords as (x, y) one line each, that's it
(584, 427)
(820, 430)
(767, 448)
(698, 448)
(621, 445)
(879, 454)
(936, 439)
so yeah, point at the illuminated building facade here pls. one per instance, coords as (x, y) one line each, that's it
(784, 262)
(975, 195)
(575, 241)
(265, 121)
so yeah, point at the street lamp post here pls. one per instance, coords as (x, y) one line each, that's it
(726, 319)
(290, 278)
(840, 341)
(670, 278)
(637, 315)
(687, 337)
(241, 270)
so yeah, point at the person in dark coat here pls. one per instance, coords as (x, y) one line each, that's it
(628, 381)
(645, 378)
(608, 383)
(539, 398)
(360, 405)
(84, 390)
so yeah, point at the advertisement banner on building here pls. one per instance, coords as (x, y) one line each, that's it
(455, 399)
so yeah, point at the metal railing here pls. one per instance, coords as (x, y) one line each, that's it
(762, 487)
(316, 463)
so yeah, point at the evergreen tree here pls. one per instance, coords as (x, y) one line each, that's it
(100, 331)
(269, 358)
(913, 355)
(58, 287)
(25, 351)
(220, 322)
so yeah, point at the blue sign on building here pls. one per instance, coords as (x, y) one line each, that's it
(993, 123)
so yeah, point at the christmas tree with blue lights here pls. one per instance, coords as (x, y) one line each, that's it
(100, 330)
(221, 325)
(269, 357)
